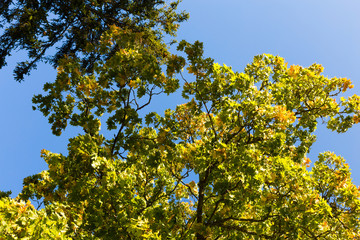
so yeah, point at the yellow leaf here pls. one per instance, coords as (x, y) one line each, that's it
(356, 119)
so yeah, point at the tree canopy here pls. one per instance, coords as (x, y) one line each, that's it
(230, 163)
(37, 26)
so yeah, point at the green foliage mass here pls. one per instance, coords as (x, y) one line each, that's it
(230, 163)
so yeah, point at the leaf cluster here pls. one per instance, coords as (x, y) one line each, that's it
(50, 30)
(229, 163)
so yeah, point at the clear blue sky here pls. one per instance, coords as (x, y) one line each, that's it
(233, 31)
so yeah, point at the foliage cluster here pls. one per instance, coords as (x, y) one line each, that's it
(230, 163)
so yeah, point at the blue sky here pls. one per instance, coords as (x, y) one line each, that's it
(303, 32)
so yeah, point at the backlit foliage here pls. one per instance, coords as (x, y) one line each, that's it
(229, 163)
